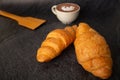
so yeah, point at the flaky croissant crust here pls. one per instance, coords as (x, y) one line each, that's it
(92, 51)
(55, 42)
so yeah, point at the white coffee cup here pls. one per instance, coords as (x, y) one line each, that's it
(66, 12)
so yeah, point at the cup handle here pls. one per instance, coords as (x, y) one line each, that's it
(54, 9)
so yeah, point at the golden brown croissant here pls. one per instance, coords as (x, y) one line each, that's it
(92, 51)
(55, 42)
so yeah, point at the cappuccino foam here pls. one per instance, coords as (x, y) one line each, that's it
(67, 7)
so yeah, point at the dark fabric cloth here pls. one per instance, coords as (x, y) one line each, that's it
(18, 45)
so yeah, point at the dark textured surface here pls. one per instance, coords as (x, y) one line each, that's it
(18, 45)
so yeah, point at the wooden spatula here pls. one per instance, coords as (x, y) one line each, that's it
(28, 22)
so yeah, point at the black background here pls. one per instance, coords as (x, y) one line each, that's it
(18, 45)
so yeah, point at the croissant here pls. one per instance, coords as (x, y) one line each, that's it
(55, 42)
(93, 52)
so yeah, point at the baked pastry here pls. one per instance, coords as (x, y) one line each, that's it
(55, 42)
(92, 51)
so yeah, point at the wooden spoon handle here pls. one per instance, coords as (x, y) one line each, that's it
(9, 15)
